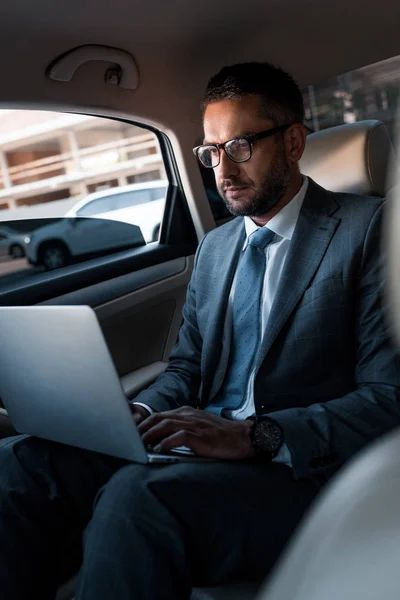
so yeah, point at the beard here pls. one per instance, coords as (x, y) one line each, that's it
(269, 192)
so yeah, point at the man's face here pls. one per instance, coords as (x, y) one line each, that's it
(255, 187)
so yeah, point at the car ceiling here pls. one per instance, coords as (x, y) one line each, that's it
(179, 43)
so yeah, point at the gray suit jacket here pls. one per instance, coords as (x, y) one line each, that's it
(326, 368)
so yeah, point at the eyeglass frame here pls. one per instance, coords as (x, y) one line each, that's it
(250, 140)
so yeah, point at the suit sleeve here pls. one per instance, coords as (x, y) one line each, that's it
(323, 436)
(180, 383)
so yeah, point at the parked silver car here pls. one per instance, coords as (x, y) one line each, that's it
(86, 228)
(12, 243)
(140, 204)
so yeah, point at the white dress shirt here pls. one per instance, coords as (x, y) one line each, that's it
(283, 225)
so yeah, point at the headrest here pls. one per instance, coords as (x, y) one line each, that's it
(350, 158)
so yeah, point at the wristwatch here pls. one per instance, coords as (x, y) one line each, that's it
(266, 437)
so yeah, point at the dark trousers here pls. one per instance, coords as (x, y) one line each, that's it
(144, 532)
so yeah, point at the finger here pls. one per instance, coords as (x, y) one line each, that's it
(181, 438)
(177, 414)
(164, 429)
(150, 422)
(188, 410)
(137, 417)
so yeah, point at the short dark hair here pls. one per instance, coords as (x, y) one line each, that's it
(281, 97)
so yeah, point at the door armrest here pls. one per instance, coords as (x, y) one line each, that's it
(138, 380)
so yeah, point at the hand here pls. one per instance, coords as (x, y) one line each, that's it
(207, 435)
(139, 413)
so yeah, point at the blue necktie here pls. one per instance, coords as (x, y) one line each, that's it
(246, 319)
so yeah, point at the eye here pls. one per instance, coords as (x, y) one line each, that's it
(208, 155)
(238, 149)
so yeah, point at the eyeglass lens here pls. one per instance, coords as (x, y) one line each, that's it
(238, 150)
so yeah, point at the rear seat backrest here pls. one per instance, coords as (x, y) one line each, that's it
(350, 158)
(348, 545)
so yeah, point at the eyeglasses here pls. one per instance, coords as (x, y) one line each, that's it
(238, 149)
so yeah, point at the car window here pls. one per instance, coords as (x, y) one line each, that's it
(371, 92)
(121, 200)
(56, 167)
(134, 198)
(157, 193)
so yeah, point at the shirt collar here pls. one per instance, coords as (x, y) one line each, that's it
(283, 223)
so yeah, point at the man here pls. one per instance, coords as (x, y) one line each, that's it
(282, 371)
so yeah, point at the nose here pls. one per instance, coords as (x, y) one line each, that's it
(227, 168)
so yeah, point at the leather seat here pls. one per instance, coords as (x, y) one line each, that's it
(349, 545)
(352, 158)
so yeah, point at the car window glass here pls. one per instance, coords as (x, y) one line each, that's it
(133, 198)
(56, 174)
(96, 207)
(158, 193)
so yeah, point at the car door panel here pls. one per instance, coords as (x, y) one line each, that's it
(117, 287)
(45, 286)
(140, 326)
(140, 314)
(140, 379)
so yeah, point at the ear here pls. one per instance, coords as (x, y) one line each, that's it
(295, 141)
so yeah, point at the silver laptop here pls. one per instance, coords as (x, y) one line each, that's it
(58, 382)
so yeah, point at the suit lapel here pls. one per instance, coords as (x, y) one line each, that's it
(229, 247)
(313, 233)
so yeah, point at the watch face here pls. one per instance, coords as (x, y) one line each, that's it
(268, 436)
